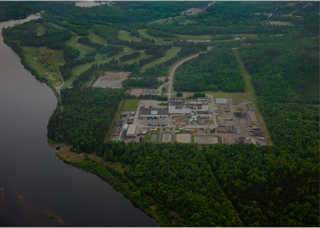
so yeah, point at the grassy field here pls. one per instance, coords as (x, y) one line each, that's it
(237, 96)
(142, 56)
(147, 138)
(191, 37)
(130, 105)
(166, 92)
(251, 92)
(125, 35)
(34, 56)
(40, 29)
(60, 27)
(73, 42)
(245, 35)
(168, 55)
(158, 40)
(98, 59)
(96, 39)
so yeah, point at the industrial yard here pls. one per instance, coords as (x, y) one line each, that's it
(203, 121)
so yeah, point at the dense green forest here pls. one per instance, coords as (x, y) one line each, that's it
(223, 185)
(217, 70)
(86, 117)
(189, 184)
(285, 74)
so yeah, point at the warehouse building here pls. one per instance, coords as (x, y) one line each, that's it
(221, 101)
(154, 112)
(179, 105)
(132, 130)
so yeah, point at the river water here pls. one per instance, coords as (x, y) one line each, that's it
(28, 165)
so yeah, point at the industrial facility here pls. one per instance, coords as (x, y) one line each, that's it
(179, 105)
(154, 112)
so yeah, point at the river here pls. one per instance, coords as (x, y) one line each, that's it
(28, 165)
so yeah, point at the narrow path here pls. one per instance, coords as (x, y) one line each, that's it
(116, 117)
(252, 94)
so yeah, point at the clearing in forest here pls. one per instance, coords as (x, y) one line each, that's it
(111, 79)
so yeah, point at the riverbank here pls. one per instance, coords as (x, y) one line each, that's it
(108, 172)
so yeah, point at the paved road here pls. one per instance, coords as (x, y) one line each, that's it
(173, 71)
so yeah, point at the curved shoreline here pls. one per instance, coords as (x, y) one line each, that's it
(39, 79)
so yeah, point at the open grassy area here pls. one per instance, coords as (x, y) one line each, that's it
(77, 70)
(69, 156)
(96, 39)
(73, 42)
(191, 37)
(142, 56)
(130, 105)
(40, 29)
(251, 92)
(237, 96)
(125, 35)
(168, 55)
(158, 40)
(60, 27)
(147, 138)
(245, 35)
(166, 90)
(39, 59)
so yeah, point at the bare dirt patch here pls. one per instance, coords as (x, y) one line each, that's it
(43, 47)
(184, 138)
(279, 23)
(206, 139)
(111, 79)
(77, 45)
(35, 58)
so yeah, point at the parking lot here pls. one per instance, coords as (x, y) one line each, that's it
(138, 92)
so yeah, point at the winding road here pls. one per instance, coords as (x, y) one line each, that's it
(173, 71)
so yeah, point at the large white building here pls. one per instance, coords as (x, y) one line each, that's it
(132, 130)
(154, 112)
(179, 105)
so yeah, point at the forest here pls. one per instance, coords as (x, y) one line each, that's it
(217, 70)
(189, 184)
(288, 97)
(86, 117)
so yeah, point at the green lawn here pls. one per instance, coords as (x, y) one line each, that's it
(40, 29)
(158, 40)
(245, 35)
(166, 92)
(60, 27)
(249, 89)
(246, 77)
(130, 105)
(237, 96)
(168, 55)
(73, 42)
(35, 55)
(98, 59)
(142, 56)
(96, 39)
(147, 138)
(191, 37)
(125, 35)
